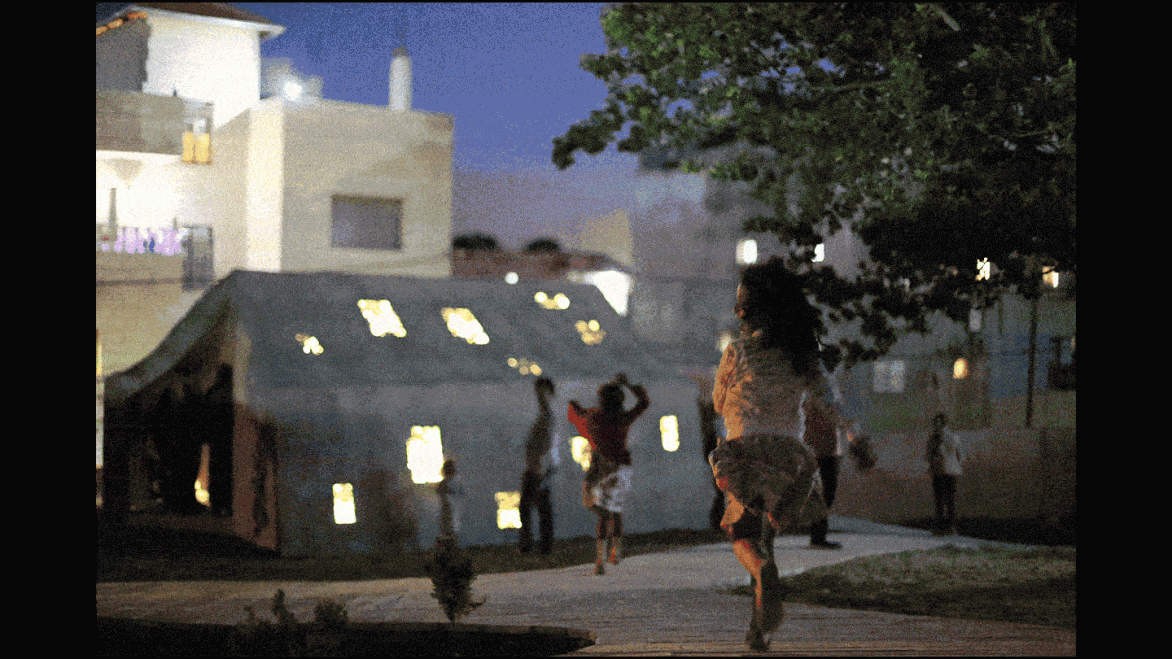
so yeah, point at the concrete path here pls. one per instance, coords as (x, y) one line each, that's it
(674, 603)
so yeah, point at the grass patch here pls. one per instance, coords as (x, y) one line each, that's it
(1034, 586)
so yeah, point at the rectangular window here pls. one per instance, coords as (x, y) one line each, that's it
(669, 432)
(344, 504)
(888, 376)
(366, 222)
(508, 510)
(747, 251)
(425, 454)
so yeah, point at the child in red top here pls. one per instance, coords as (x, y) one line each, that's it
(608, 478)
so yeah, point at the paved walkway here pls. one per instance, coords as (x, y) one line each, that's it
(675, 603)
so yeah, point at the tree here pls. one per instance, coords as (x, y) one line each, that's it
(472, 241)
(543, 245)
(941, 134)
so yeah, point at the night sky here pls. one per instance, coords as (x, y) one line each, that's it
(507, 73)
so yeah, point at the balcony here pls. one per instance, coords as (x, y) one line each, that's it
(132, 122)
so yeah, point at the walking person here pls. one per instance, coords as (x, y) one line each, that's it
(944, 455)
(540, 465)
(608, 479)
(764, 468)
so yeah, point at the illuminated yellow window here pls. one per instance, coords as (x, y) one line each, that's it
(344, 504)
(669, 432)
(524, 366)
(591, 332)
(960, 369)
(558, 301)
(425, 454)
(508, 510)
(984, 269)
(382, 318)
(462, 324)
(197, 149)
(580, 451)
(1050, 276)
(310, 344)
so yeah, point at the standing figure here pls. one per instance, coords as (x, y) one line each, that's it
(449, 491)
(608, 479)
(824, 426)
(764, 467)
(944, 456)
(539, 468)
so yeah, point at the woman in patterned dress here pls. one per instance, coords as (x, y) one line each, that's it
(763, 466)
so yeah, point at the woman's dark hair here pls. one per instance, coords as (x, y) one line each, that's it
(611, 397)
(775, 303)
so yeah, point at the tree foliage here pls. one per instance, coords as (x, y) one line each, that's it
(544, 245)
(473, 241)
(940, 134)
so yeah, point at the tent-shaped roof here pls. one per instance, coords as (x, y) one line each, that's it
(280, 312)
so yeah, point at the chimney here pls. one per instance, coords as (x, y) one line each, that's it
(400, 96)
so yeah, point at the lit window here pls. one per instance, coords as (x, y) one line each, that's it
(984, 269)
(580, 451)
(508, 510)
(888, 376)
(310, 344)
(591, 332)
(524, 366)
(382, 318)
(425, 454)
(1050, 276)
(344, 504)
(820, 253)
(559, 301)
(747, 251)
(960, 369)
(669, 432)
(511, 278)
(462, 324)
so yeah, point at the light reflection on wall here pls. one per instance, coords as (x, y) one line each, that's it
(462, 324)
(310, 344)
(591, 332)
(344, 504)
(524, 366)
(382, 318)
(669, 432)
(425, 454)
(508, 510)
(580, 451)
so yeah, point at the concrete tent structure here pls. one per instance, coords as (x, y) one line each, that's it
(282, 376)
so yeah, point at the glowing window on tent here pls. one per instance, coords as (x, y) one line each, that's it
(669, 432)
(508, 510)
(462, 324)
(558, 301)
(425, 454)
(344, 504)
(984, 269)
(747, 251)
(580, 451)
(382, 318)
(960, 369)
(590, 331)
(310, 344)
(524, 366)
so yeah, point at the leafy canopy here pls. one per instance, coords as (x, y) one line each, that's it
(941, 134)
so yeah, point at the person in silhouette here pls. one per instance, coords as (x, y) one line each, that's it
(608, 479)
(539, 468)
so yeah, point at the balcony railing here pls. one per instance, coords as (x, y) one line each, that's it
(192, 244)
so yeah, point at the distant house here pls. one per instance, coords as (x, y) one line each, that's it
(326, 402)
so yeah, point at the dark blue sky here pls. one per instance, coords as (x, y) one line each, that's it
(507, 73)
